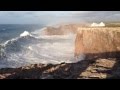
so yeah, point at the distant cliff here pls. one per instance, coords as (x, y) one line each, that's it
(61, 30)
(98, 42)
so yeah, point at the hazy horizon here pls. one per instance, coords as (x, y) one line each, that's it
(53, 17)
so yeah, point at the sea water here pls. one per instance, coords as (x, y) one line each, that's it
(22, 45)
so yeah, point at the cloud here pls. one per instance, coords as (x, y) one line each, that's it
(103, 16)
(18, 17)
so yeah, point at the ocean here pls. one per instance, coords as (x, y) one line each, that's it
(22, 45)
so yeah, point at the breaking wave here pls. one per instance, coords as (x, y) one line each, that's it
(34, 47)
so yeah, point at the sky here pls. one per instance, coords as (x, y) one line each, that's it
(51, 17)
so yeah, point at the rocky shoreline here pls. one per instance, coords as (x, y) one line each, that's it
(85, 69)
(101, 47)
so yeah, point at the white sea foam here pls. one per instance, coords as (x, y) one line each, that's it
(25, 33)
(40, 49)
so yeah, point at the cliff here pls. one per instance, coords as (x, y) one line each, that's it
(61, 30)
(98, 42)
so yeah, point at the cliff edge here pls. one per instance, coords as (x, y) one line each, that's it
(98, 42)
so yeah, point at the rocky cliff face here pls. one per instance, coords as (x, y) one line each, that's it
(98, 42)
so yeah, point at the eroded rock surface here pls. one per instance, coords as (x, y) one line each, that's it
(98, 42)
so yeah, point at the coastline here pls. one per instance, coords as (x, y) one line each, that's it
(104, 66)
(85, 69)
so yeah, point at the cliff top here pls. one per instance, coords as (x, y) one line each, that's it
(117, 29)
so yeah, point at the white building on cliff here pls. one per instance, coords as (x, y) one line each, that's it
(98, 25)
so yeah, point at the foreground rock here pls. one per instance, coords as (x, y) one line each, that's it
(86, 69)
(98, 42)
